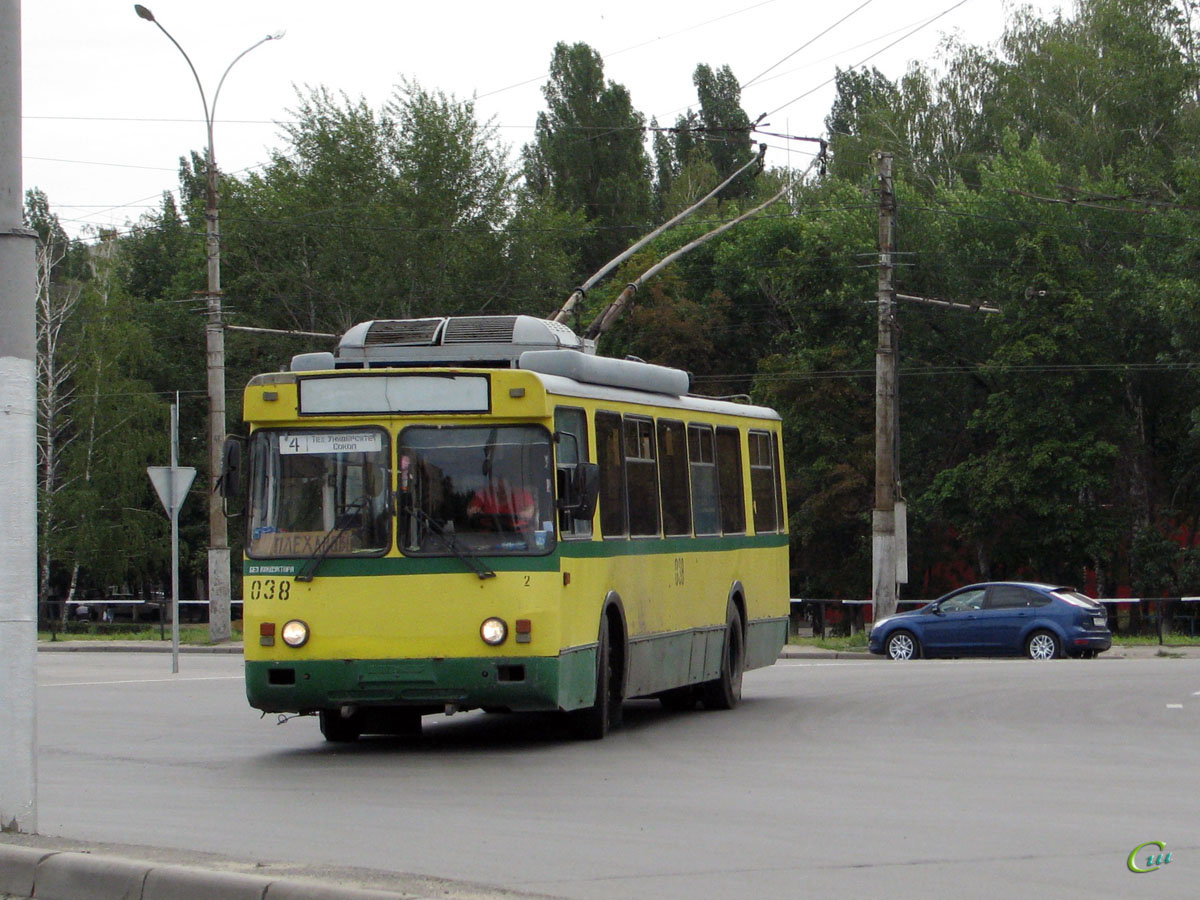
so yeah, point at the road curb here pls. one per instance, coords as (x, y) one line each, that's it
(32, 872)
(133, 647)
(18, 866)
(794, 651)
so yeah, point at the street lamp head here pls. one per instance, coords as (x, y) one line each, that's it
(277, 36)
(144, 13)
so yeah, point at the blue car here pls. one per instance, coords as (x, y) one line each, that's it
(1008, 618)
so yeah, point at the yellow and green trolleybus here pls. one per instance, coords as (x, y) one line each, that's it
(479, 512)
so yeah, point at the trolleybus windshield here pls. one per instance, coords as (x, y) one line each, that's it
(486, 489)
(319, 492)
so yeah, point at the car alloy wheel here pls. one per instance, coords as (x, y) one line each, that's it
(1043, 645)
(901, 645)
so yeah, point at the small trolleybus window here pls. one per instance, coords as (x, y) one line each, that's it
(703, 464)
(729, 465)
(764, 482)
(611, 457)
(642, 475)
(673, 478)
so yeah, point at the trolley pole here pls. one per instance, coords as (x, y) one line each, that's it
(18, 449)
(883, 516)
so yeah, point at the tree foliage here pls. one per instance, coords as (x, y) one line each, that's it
(588, 154)
(1053, 176)
(96, 416)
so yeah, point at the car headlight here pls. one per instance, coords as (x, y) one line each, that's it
(493, 631)
(294, 633)
(881, 622)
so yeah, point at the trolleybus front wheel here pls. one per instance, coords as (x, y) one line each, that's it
(596, 720)
(392, 721)
(339, 729)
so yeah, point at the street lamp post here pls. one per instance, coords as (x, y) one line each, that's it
(218, 533)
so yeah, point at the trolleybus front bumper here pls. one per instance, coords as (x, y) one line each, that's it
(566, 681)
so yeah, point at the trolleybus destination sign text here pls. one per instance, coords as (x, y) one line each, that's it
(331, 442)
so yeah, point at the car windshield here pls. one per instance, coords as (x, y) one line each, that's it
(472, 490)
(319, 492)
(1077, 599)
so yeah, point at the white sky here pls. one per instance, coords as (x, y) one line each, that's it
(110, 106)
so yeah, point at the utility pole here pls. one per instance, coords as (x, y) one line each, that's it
(18, 449)
(219, 587)
(883, 516)
(889, 517)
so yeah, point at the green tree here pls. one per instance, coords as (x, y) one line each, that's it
(1108, 88)
(726, 125)
(399, 213)
(704, 147)
(588, 153)
(95, 416)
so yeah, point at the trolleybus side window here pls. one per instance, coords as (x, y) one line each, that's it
(775, 444)
(611, 457)
(764, 482)
(729, 470)
(703, 466)
(641, 474)
(673, 478)
(571, 424)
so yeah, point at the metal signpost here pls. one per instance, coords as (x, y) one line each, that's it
(172, 484)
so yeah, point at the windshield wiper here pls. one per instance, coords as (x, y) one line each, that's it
(350, 516)
(471, 562)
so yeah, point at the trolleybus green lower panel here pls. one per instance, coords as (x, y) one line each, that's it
(525, 683)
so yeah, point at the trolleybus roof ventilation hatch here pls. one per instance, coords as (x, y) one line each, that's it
(526, 342)
(473, 341)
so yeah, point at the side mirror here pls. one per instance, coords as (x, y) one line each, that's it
(230, 482)
(586, 489)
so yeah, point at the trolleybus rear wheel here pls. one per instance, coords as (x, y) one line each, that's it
(726, 691)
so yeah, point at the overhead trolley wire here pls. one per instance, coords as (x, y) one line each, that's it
(871, 56)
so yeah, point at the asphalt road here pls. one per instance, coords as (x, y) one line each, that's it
(832, 779)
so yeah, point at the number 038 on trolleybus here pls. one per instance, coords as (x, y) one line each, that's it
(479, 512)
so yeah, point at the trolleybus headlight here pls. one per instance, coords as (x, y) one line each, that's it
(493, 631)
(294, 633)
